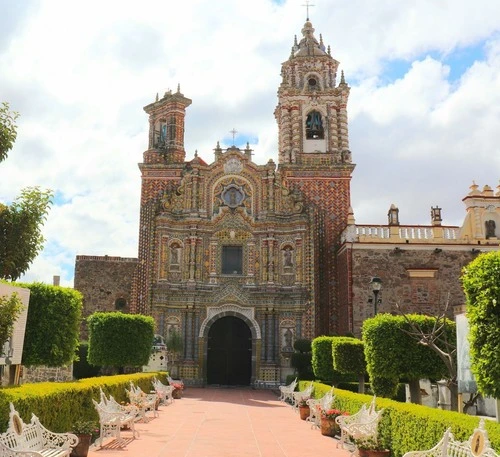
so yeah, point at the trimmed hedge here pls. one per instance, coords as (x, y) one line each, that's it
(408, 427)
(81, 367)
(391, 354)
(322, 363)
(119, 340)
(59, 405)
(481, 283)
(348, 355)
(52, 326)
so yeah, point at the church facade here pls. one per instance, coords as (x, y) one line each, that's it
(241, 259)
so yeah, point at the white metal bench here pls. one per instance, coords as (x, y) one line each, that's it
(302, 395)
(287, 391)
(175, 381)
(33, 439)
(164, 392)
(316, 405)
(478, 445)
(144, 402)
(362, 425)
(113, 417)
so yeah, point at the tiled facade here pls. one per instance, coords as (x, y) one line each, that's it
(275, 246)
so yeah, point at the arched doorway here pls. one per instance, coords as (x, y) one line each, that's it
(229, 352)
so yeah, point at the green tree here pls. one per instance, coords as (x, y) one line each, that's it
(10, 309)
(52, 326)
(175, 346)
(391, 353)
(481, 284)
(119, 340)
(348, 356)
(21, 238)
(301, 359)
(8, 130)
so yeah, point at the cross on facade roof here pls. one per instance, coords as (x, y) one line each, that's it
(307, 5)
(234, 132)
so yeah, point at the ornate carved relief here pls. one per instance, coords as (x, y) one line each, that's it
(287, 335)
(248, 313)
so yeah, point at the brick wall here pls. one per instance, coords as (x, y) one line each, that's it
(102, 280)
(415, 294)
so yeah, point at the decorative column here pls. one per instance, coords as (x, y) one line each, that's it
(251, 262)
(277, 340)
(285, 133)
(264, 263)
(333, 136)
(271, 266)
(343, 128)
(270, 192)
(194, 197)
(298, 261)
(272, 337)
(213, 261)
(192, 256)
(297, 130)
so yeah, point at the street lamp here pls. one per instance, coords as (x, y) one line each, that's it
(376, 284)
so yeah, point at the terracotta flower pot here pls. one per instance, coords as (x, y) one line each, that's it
(177, 394)
(82, 448)
(329, 427)
(304, 412)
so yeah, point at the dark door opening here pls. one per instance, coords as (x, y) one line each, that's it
(229, 354)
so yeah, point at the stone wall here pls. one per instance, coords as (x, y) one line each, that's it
(420, 280)
(46, 374)
(105, 283)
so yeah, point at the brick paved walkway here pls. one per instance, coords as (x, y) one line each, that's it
(225, 423)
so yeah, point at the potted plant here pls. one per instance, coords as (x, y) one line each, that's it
(85, 431)
(177, 392)
(370, 447)
(328, 425)
(304, 409)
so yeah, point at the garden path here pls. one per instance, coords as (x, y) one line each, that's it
(219, 422)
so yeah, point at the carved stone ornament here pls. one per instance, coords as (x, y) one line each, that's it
(233, 165)
(249, 313)
(233, 196)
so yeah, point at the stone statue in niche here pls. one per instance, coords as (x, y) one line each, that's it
(490, 229)
(174, 254)
(287, 340)
(287, 257)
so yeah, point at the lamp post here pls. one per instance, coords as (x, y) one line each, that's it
(376, 284)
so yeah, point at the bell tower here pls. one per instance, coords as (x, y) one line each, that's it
(314, 157)
(311, 111)
(166, 128)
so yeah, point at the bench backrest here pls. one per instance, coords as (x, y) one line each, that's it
(26, 437)
(478, 444)
(31, 438)
(327, 400)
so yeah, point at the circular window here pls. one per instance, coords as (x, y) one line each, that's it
(120, 303)
(312, 82)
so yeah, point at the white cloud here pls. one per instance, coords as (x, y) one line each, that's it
(80, 74)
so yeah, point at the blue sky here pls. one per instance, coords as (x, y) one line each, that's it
(423, 109)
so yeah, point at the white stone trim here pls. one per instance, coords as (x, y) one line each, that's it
(214, 311)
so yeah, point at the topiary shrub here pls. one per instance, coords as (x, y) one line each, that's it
(302, 345)
(81, 367)
(120, 340)
(349, 358)
(52, 326)
(322, 362)
(481, 283)
(301, 359)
